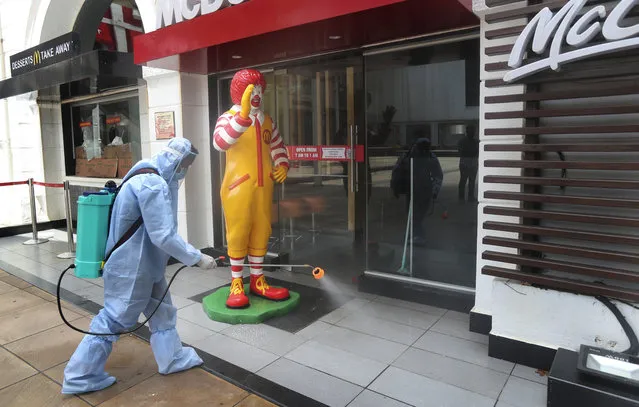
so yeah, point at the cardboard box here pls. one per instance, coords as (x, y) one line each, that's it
(80, 154)
(97, 168)
(124, 166)
(123, 151)
(110, 152)
(81, 167)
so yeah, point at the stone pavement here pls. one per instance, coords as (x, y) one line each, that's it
(35, 346)
(360, 351)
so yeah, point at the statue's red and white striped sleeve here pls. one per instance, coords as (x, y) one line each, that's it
(228, 130)
(278, 149)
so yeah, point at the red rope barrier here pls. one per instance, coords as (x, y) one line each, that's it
(49, 185)
(6, 184)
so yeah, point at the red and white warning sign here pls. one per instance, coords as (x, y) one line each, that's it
(325, 153)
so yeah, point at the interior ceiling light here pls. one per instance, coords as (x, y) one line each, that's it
(334, 37)
(237, 57)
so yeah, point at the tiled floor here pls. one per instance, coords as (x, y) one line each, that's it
(33, 356)
(371, 351)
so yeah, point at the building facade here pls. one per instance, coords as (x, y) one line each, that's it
(352, 104)
(557, 221)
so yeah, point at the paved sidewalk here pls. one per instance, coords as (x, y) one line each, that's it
(35, 346)
(340, 348)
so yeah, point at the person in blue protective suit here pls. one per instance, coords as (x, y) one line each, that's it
(134, 280)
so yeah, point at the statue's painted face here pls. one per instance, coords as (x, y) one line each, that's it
(257, 97)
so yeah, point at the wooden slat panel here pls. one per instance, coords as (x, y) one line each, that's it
(505, 32)
(630, 88)
(496, 66)
(495, 3)
(566, 250)
(594, 63)
(582, 111)
(572, 72)
(563, 199)
(522, 12)
(513, 131)
(608, 147)
(563, 283)
(498, 50)
(603, 76)
(529, 11)
(562, 216)
(565, 182)
(575, 165)
(564, 233)
(564, 266)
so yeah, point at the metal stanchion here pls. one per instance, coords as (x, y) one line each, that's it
(67, 209)
(34, 217)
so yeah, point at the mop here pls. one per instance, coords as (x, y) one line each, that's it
(409, 223)
(409, 227)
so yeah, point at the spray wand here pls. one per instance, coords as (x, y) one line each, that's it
(318, 272)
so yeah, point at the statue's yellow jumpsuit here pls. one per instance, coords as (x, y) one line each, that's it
(252, 145)
(247, 188)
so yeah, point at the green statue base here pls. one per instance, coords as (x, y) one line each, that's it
(259, 311)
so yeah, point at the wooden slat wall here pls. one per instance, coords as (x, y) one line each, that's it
(560, 179)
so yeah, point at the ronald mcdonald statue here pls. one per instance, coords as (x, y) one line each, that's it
(255, 157)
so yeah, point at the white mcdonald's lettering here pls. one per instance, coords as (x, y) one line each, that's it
(577, 34)
(182, 10)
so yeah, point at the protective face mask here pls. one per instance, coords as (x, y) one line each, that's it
(180, 174)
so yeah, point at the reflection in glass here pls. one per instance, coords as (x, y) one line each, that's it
(422, 216)
(99, 125)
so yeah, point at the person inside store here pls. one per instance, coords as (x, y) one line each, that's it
(468, 148)
(134, 275)
(424, 185)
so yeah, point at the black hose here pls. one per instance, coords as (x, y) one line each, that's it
(632, 337)
(111, 333)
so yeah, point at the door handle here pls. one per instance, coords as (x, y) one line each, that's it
(354, 157)
(352, 152)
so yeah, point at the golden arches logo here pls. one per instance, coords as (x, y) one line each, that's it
(37, 58)
(266, 136)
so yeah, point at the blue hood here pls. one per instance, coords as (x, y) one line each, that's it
(167, 160)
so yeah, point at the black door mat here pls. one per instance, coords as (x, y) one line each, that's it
(314, 304)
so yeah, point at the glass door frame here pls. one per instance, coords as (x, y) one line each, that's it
(452, 37)
(355, 122)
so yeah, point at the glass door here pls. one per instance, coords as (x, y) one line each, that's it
(423, 120)
(319, 212)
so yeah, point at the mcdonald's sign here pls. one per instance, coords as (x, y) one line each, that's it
(45, 54)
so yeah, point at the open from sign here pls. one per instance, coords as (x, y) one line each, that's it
(562, 27)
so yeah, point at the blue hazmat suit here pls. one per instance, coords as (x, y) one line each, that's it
(134, 275)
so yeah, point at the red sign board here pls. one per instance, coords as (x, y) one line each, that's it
(113, 120)
(325, 153)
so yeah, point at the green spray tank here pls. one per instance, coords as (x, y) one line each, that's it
(94, 215)
(94, 210)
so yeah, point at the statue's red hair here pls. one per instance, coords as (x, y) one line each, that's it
(242, 79)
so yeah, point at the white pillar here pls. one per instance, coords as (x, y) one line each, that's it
(484, 284)
(185, 95)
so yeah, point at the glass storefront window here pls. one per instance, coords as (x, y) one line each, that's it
(106, 137)
(353, 215)
(423, 116)
(318, 212)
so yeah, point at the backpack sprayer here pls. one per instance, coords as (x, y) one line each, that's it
(94, 217)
